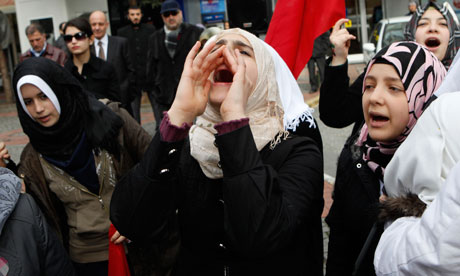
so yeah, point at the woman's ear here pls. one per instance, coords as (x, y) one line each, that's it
(91, 39)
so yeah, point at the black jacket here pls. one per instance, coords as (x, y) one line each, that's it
(353, 213)
(98, 77)
(262, 218)
(163, 72)
(119, 56)
(340, 104)
(28, 244)
(138, 40)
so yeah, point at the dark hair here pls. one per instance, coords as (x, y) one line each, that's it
(62, 25)
(81, 24)
(34, 27)
(134, 7)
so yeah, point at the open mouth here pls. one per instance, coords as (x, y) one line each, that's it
(223, 76)
(379, 118)
(432, 42)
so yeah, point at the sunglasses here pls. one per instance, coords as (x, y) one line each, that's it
(168, 13)
(78, 36)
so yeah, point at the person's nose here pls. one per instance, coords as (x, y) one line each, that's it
(433, 27)
(39, 108)
(376, 96)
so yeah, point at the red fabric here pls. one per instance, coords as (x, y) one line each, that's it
(296, 23)
(118, 265)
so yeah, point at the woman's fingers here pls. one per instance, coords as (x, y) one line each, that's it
(115, 236)
(230, 61)
(191, 55)
(339, 24)
(203, 54)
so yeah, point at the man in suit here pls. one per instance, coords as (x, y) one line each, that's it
(40, 48)
(168, 48)
(114, 50)
(138, 34)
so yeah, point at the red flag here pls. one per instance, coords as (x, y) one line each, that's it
(118, 265)
(296, 23)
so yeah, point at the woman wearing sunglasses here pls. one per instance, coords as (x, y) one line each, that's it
(96, 75)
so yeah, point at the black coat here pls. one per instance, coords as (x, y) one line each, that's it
(262, 218)
(340, 104)
(98, 77)
(119, 56)
(138, 40)
(29, 245)
(163, 72)
(353, 213)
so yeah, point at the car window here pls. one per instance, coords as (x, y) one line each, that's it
(375, 34)
(393, 33)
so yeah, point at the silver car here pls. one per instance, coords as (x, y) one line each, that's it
(385, 32)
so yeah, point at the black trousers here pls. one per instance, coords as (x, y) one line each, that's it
(321, 63)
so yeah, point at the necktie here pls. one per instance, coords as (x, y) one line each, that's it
(101, 50)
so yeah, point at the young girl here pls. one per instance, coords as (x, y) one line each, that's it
(432, 26)
(78, 149)
(247, 196)
(397, 84)
(95, 75)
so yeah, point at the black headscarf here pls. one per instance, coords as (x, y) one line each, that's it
(80, 113)
(454, 31)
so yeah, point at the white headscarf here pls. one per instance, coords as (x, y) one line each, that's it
(40, 84)
(275, 106)
(452, 82)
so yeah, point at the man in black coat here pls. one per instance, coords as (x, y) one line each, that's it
(137, 34)
(114, 50)
(168, 48)
(320, 49)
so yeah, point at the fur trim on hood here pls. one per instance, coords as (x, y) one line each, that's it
(404, 206)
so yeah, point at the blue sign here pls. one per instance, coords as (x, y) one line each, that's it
(212, 18)
(212, 6)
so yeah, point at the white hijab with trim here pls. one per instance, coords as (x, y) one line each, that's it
(275, 106)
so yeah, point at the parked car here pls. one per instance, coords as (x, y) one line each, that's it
(385, 32)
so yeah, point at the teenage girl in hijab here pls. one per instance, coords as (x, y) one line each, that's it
(245, 194)
(398, 83)
(78, 149)
(432, 26)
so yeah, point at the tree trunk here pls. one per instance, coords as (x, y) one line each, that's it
(5, 77)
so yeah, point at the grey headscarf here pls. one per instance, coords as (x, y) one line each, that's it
(10, 188)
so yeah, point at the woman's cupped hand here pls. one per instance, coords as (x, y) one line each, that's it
(194, 85)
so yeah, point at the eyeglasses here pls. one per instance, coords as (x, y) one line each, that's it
(78, 36)
(168, 13)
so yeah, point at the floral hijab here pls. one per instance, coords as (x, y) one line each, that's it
(421, 74)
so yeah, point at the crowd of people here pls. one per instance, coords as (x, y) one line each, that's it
(232, 181)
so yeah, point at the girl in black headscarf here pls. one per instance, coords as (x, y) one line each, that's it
(78, 149)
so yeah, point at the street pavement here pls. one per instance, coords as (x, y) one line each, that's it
(333, 139)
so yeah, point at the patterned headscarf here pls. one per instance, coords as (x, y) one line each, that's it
(275, 106)
(454, 31)
(10, 187)
(421, 74)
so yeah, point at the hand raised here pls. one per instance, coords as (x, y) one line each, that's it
(341, 39)
(3, 154)
(234, 105)
(193, 89)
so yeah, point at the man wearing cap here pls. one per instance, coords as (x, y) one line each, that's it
(114, 50)
(40, 48)
(138, 35)
(168, 48)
